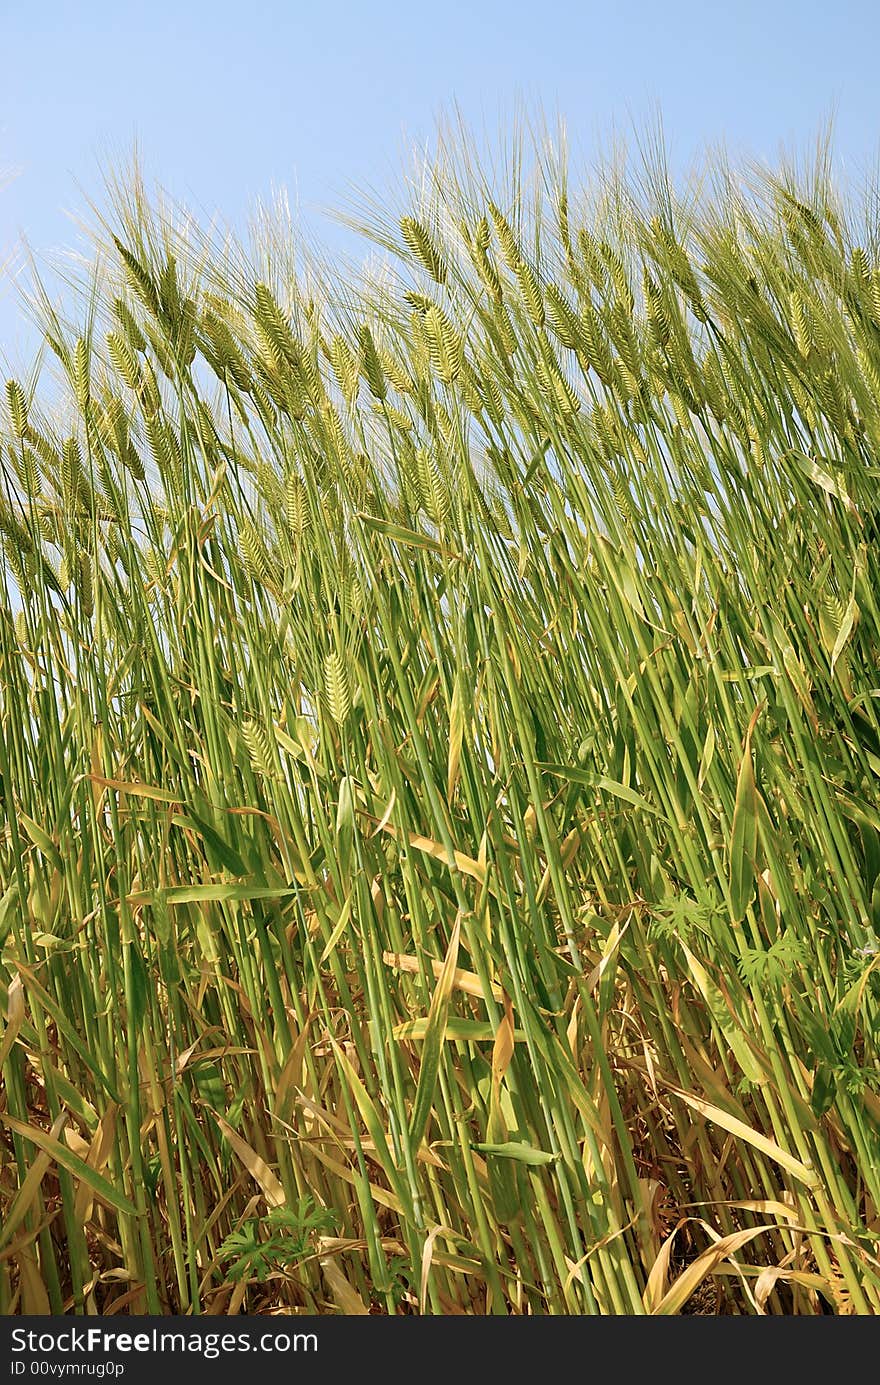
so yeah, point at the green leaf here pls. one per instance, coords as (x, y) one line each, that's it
(744, 833)
(140, 987)
(821, 478)
(405, 536)
(345, 826)
(457, 1027)
(7, 910)
(202, 894)
(226, 854)
(824, 1090)
(42, 840)
(521, 1153)
(456, 734)
(338, 929)
(435, 1032)
(847, 625)
(70, 1161)
(593, 781)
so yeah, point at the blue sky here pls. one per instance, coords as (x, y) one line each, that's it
(228, 100)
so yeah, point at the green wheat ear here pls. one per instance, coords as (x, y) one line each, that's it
(259, 746)
(563, 318)
(17, 407)
(436, 495)
(82, 375)
(28, 473)
(273, 330)
(337, 689)
(253, 553)
(127, 321)
(296, 505)
(396, 373)
(531, 292)
(139, 278)
(445, 345)
(345, 368)
(371, 366)
(226, 356)
(801, 324)
(506, 239)
(125, 361)
(424, 248)
(478, 248)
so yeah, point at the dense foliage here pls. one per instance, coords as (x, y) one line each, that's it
(440, 746)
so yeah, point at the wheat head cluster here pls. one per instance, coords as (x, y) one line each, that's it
(440, 749)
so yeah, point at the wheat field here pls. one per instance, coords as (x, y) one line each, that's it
(440, 745)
